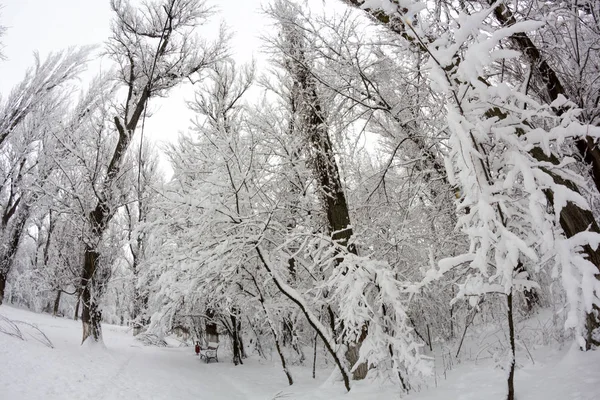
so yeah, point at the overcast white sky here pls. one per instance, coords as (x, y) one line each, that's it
(51, 25)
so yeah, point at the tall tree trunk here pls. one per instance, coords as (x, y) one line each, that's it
(241, 340)
(91, 315)
(318, 145)
(281, 357)
(93, 280)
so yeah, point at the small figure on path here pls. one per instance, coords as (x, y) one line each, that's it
(197, 348)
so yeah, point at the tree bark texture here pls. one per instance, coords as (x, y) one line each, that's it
(9, 249)
(313, 125)
(2, 284)
(56, 302)
(573, 219)
(551, 83)
(91, 315)
(235, 331)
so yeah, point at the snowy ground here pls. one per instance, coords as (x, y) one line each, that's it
(125, 369)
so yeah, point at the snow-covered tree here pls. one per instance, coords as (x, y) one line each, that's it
(155, 48)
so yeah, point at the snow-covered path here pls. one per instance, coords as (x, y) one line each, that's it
(144, 372)
(125, 369)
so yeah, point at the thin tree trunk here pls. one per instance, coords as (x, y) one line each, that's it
(241, 340)
(314, 369)
(452, 320)
(404, 384)
(2, 284)
(76, 313)
(511, 335)
(138, 322)
(283, 365)
(277, 344)
(467, 324)
(429, 339)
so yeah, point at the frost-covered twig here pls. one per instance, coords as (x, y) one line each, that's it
(11, 328)
(37, 334)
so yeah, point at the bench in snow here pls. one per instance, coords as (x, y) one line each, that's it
(210, 353)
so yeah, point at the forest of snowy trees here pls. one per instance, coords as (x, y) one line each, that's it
(395, 174)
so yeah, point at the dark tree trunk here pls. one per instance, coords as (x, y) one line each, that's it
(92, 280)
(212, 332)
(56, 302)
(91, 315)
(11, 246)
(237, 351)
(552, 85)
(2, 285)
(572, 219)
(353, 353)
(282, 358)
(511, 336)
(241, 340)
(286, 330)
(138, 302)
(292, 269)
(318, 145)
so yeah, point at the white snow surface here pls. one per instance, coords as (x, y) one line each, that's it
(125, 369)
